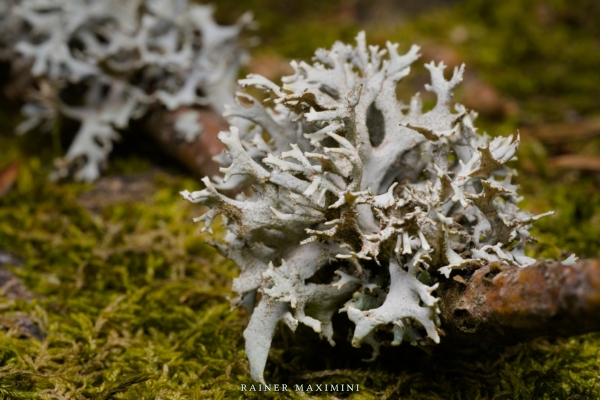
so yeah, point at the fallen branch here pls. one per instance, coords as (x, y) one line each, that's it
(562, 133)
(196, 155)
(576, 161)
(507, 304)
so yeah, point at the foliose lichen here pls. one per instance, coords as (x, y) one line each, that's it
(349, 178)
(103, 63)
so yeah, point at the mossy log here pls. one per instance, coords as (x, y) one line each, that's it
(507, 304)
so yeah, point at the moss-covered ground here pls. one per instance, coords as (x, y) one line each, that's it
(132, 304)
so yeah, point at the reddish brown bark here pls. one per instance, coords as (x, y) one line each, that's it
(197, 155)
(506, 304)
(576, 161)
(8, 176)
(564, 133)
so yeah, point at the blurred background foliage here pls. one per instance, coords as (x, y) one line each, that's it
(110, 292)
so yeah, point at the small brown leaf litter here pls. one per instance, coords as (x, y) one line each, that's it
(8, 176)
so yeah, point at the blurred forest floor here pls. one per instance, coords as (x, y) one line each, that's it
(109, 291)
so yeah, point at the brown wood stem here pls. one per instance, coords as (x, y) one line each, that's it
(507, 304)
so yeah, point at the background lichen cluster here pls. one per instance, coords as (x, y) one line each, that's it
(132, 304)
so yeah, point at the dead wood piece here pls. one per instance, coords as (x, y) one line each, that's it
(562, 133)
(197, 155)
(575, 161)
(508, 304)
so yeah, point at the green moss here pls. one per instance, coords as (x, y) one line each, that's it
(575, 223)
(542, 54)
(293, 29)
(128, 313)
(134, 305)
(130, 165)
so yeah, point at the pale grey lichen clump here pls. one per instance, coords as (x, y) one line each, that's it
(349, 179)
(102, 62)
